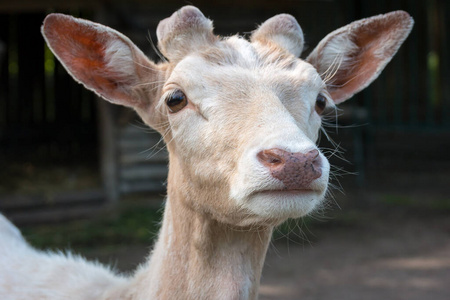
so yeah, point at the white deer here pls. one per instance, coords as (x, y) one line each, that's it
(240, 119)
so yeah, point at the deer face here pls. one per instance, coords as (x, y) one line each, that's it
(240, 118)
(238, 105)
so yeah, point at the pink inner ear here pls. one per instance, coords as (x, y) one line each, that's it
(78, 48)
(81, 47)
(365, 64)
(377, 40)
(349, 81)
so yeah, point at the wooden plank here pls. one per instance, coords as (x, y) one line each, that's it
(137, 145)
(31, 67)
(132, 134)
(25, 209)
(54, 215)
(446, 63)
(144, 172)
(66, 199)
(160, 5)
(142, 186)
(4, 74)
(31, 6)
(413, 58)
(108, 150)
(432, 78)
(133, 158)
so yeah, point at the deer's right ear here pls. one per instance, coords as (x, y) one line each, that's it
(102, 59)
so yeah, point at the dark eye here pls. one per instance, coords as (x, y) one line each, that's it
(321, 102)
(176, 101)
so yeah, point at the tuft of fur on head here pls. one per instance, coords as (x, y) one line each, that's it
(283, 31)
(187, 30)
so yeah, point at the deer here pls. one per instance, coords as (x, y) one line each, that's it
(240, 117)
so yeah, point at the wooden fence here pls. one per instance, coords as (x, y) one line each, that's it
(41, 107)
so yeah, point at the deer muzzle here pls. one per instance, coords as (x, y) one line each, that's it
(296, 170)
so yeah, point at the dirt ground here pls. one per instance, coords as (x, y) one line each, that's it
(380, 256)
(391, 258)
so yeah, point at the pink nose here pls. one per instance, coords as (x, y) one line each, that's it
(295, 170)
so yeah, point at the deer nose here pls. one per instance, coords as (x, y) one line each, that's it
(295, 170)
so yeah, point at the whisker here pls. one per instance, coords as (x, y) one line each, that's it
(158, 53)
(330, 67)
(350, 80)
(334, 67)
(150, 83)
(145, 66)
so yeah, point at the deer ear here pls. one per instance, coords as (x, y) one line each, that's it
(350, 58)
(102, 59)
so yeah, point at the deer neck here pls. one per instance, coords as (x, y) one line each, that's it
(197, 257)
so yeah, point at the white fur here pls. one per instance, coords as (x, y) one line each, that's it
(120, 58)
(48, 275)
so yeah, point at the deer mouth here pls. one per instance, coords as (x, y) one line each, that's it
(288, 197)
(281, 204)
(279, 192)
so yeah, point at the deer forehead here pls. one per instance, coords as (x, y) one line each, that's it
(236, 72)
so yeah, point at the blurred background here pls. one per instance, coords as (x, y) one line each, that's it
(76, 172)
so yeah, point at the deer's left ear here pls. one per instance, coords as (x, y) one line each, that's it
(350, 58)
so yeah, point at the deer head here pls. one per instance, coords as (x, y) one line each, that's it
(240, 118)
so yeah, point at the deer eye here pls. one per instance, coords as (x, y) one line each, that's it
(321, 102)
(176, 101)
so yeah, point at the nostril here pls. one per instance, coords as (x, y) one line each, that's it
(272, 157)
(315, 158)
(274, 160)
(313, 153)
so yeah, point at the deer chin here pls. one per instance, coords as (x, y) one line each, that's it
(285, 204)
(274, 206)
